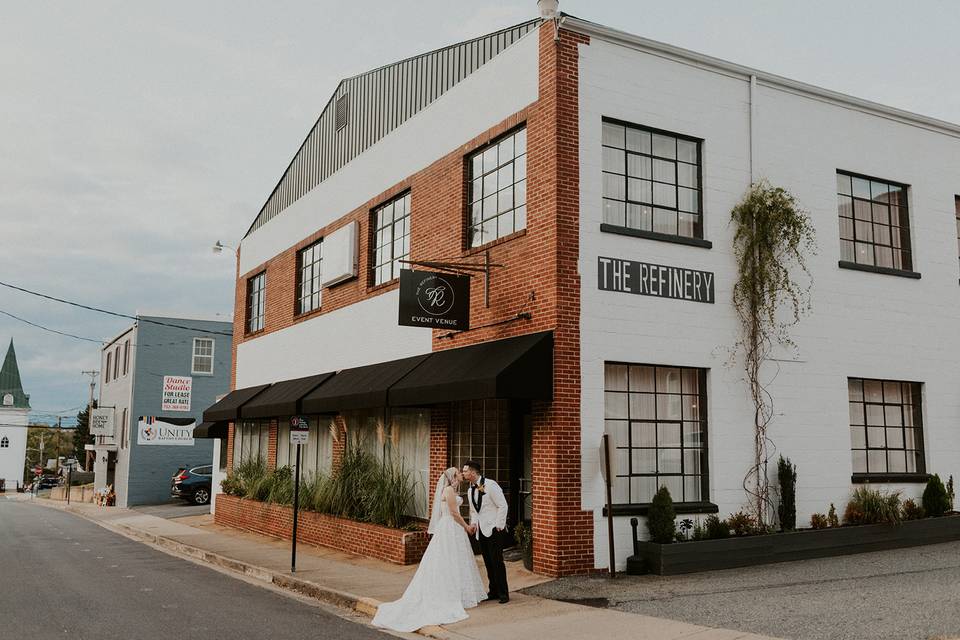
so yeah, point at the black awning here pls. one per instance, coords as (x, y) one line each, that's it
(227, 409)
(282, 398)
(359, 388)
(520, 367)
(211, 430)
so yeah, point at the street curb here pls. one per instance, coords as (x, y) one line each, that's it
(341, 599)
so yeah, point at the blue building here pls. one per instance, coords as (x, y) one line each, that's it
(157, 378)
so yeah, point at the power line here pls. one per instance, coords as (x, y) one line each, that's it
(112, 313)
(40, 326)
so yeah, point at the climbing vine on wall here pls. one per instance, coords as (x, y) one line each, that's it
(772, 240)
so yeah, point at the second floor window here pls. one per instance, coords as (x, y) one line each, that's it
(107, 369)
(956, 206)
(126, 357)
(651, 181)
(256, 297)
(391, 238)
(874, 222)
(309, 263)
(202, 356)
(497, 200)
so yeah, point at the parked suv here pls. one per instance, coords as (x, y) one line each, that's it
(192, 484)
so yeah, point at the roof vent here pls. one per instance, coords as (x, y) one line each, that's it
(343, 105)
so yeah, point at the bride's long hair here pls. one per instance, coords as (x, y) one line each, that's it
(447, 479)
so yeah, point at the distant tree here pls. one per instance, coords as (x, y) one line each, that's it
(81, 436)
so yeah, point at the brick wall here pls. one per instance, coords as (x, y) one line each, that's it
(391, 545)
(272, 445)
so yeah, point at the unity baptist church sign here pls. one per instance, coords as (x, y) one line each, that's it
(646, 279)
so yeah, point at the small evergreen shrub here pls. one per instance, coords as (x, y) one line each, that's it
(950, 493)
(872, 507)
(742, 524)
(936, 501)
(819, 521)
(716, 528)
(787, 509)
(832, 519)
(661, 518)
(911, 510)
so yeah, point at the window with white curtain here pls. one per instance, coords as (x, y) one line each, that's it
(250, 441)
(316, 456)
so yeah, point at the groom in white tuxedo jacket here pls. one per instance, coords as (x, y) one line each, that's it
(488, 517)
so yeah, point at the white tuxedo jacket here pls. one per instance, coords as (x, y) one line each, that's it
(493, 507)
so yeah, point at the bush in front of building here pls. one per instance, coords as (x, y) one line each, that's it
(661, 518)
(936, 500)
(911, 510)
(872, 507)
(240, 482)
(715, 528)
(819, 521)
(787, 510)
(742, 524)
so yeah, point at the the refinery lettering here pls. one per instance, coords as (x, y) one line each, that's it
(646, 279)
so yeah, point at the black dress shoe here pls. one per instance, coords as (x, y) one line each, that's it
(504, 599)
(489, 597)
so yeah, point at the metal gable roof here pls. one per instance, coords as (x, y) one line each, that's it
(366, 107)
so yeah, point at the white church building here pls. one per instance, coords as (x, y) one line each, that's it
(14, 409)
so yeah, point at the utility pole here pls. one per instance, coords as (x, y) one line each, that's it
(93, 383)
(58, 443)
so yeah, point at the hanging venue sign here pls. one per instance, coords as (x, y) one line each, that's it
(435, 300)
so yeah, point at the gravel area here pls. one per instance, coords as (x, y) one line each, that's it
(908, 594)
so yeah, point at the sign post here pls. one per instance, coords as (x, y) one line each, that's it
(608, 481)
(299, 434)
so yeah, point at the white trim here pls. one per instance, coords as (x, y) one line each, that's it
(193, 357)
(744, 73)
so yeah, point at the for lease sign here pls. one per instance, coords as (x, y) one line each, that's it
(176, 393)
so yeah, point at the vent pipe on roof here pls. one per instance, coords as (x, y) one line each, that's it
(549, 9)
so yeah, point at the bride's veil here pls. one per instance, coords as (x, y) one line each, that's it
(447, 479)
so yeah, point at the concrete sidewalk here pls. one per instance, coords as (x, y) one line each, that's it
(361, 584)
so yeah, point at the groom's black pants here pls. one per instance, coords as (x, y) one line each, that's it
(492, 551)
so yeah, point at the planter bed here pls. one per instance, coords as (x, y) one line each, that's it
(728, 553)
(392, 545)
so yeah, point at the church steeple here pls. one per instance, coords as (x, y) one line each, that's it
(10, 384)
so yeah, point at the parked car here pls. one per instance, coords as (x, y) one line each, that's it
(192, 484)
(46, 482)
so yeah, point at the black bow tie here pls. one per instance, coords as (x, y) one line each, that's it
(473, 486)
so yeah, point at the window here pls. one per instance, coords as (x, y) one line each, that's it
(124, 442)
(316, 456)
(480, 430)
(391, 238)
(342, 111)
(256, 296)
(126, 357)
(4, 442)
(874, 222)
(107, 369)
(250, 441)
(116, 362)
(885, 426)
(309, 264)
(651, 181)
(657, 422)
(498, 189)
(202, 356)
(956, 206)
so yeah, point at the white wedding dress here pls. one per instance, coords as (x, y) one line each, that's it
(446, 582)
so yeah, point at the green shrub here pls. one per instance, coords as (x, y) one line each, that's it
(911, 510)
(742, 524)
(661, 518)
(872, 507)
(390, 496)
(832, 519)
(936, 501)
(787, 509)
(950, 493)
(715, 528)
(819, 521)
(280, 490)
(523, 534)
(239, 481)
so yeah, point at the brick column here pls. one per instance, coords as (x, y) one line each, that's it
(439, 438)
(230, 436)
(339, 441)
(562, 532)
(272, 445)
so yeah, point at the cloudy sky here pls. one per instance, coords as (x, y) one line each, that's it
(135, 134)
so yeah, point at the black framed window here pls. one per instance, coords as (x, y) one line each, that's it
(391, 240)
(497, 202)
(956, 206)
(657, 422)
(309, 270)
(874, 222)
(886, 426)
(256, 297)
(651, 180)
(109, 367)
(4, 442)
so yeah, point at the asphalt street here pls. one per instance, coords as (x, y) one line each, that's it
(63, 576)
(905, 594)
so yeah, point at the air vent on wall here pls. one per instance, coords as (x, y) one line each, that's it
(343, 106)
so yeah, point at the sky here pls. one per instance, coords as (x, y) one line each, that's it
(133, 135)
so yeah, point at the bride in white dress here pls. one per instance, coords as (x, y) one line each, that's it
(447, 581)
